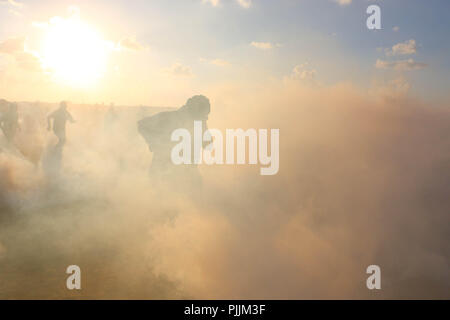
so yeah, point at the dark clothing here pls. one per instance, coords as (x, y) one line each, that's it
(9, 123)
(157, 131)
(60, 118)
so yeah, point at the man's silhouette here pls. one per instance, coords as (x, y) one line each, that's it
(157, 131)
(9, 122)
(60, 117)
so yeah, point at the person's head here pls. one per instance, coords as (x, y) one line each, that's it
(198, 107)
(63, 105)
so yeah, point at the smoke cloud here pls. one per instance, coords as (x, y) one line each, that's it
(363, 180)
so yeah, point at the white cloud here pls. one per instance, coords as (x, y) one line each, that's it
(262, 45)
(15, 13)
(177, 69)
(403, 48)
(392, 88)
(131, 43)
(220, 62)
(303, 72)
(12, 45)
(28, 60)
(16, 48)
(214, 3)
(39, 25)
(216, 62)
(12, 3)
(74, 11)
(401, 65)
(243, 3)
(399, 85)
(14, 7)
(343, 2)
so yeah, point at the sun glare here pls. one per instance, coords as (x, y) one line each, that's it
(73, 52)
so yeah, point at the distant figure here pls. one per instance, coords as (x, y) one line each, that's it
(157, 131)
(4, 105)
(60, 117)
(111, 117)
(9, 122)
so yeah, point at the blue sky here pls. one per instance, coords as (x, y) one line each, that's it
(330, 37)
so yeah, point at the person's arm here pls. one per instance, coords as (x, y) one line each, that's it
(49, 117)
(70, 118)
(150, 129)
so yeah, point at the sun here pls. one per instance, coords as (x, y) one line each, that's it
(73, 52)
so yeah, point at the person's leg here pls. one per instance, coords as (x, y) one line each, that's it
(9, 133)
(61, 134)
